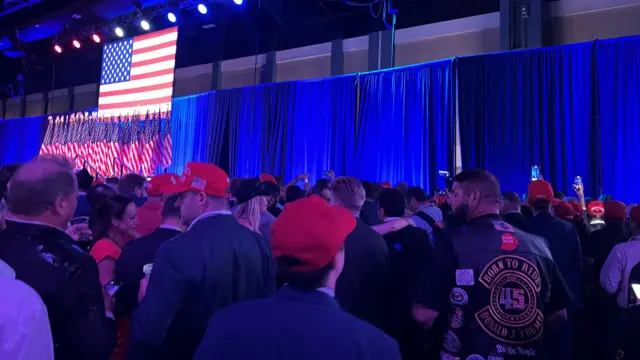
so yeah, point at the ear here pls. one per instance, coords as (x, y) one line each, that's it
(381, 213)
(59, 205)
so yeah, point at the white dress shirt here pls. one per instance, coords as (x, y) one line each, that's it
(25, 333)
(614, 277)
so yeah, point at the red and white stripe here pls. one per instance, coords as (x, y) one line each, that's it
(151, 82)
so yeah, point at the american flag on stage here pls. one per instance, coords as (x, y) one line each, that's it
(133, 122)
(137, 74)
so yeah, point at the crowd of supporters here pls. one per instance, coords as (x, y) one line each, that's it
(200, 266)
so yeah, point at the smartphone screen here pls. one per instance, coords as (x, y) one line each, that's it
(535, 173)
(112, 288)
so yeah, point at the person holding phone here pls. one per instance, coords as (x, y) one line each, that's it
(116, 225)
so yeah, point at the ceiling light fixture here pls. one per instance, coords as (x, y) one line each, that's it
(119, 31)
(202, 9)
(144, 24)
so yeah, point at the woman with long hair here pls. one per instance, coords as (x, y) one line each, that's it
(116, 223)
(252, 203)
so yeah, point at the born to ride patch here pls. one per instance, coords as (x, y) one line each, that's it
(512, 315)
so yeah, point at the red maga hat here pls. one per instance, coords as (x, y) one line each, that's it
(311, 231)
(159, 182)
(201, 177)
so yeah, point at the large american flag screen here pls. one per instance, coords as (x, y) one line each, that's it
(137, 74)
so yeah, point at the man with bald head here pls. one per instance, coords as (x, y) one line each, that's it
(496, 285)
(41, 200)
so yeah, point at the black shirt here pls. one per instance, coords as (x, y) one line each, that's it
(135, 255)
(360, 287)
(409, 252)
(496, 284)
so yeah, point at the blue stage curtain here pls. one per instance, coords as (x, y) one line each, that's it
(247, 128)
(20, 139)
(405, 125)
(197, 129)
(619, 100)
(288, 129)
(526, 108)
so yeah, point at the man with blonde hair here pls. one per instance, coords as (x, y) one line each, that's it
(360, 287)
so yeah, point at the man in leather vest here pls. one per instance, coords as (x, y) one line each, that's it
(497, 285)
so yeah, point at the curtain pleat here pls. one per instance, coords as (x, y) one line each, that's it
(20, 139)
(526, 108)
(405, 125)
(618, 64)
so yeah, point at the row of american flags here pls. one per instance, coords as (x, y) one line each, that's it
(141, 141)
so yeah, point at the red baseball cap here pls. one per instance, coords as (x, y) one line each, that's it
(385, 185)
(267, 177)
(539, 190)
(564, 211)
(311, 231)
(635, 213)
(201, 177)
(157, 183)
(595, 208)
(614, 209)
(576, 207)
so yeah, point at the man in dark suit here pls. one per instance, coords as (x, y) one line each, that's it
(216, 263)
(409, 252)
(41, 200)
(511, 213)
(303, 321)
(564, 244)
(140, 252)
(360, 287)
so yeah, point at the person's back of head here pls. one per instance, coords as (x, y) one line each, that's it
(474, 193)
(347, 192)
(615, 213)
(391, 203)
(44, 190)
(510, 202)
(416, 198)
(85, 180)
(170, 210)
(321, 188)
(113, 181)
(540, 194)
(132, 184)
(293, 193)
(307, 241)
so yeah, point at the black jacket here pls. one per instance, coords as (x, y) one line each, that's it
(369, 213)
(409, 253)
(293, 325)
(360, 287)
(518, 220)
(566, 250)
(218, 262)
(135, 255)
(66, 278)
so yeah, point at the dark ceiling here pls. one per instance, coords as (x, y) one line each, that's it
(255, 26)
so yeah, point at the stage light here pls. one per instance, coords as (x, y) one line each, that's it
(57, 48)
(144, 24)
(172, 17)
(119, 31)
(238, 2)
(202, 9)
(76, 43)
(96, 38)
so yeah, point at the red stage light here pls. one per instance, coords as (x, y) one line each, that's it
(96, 38)
(76, 44)
(57, 48)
